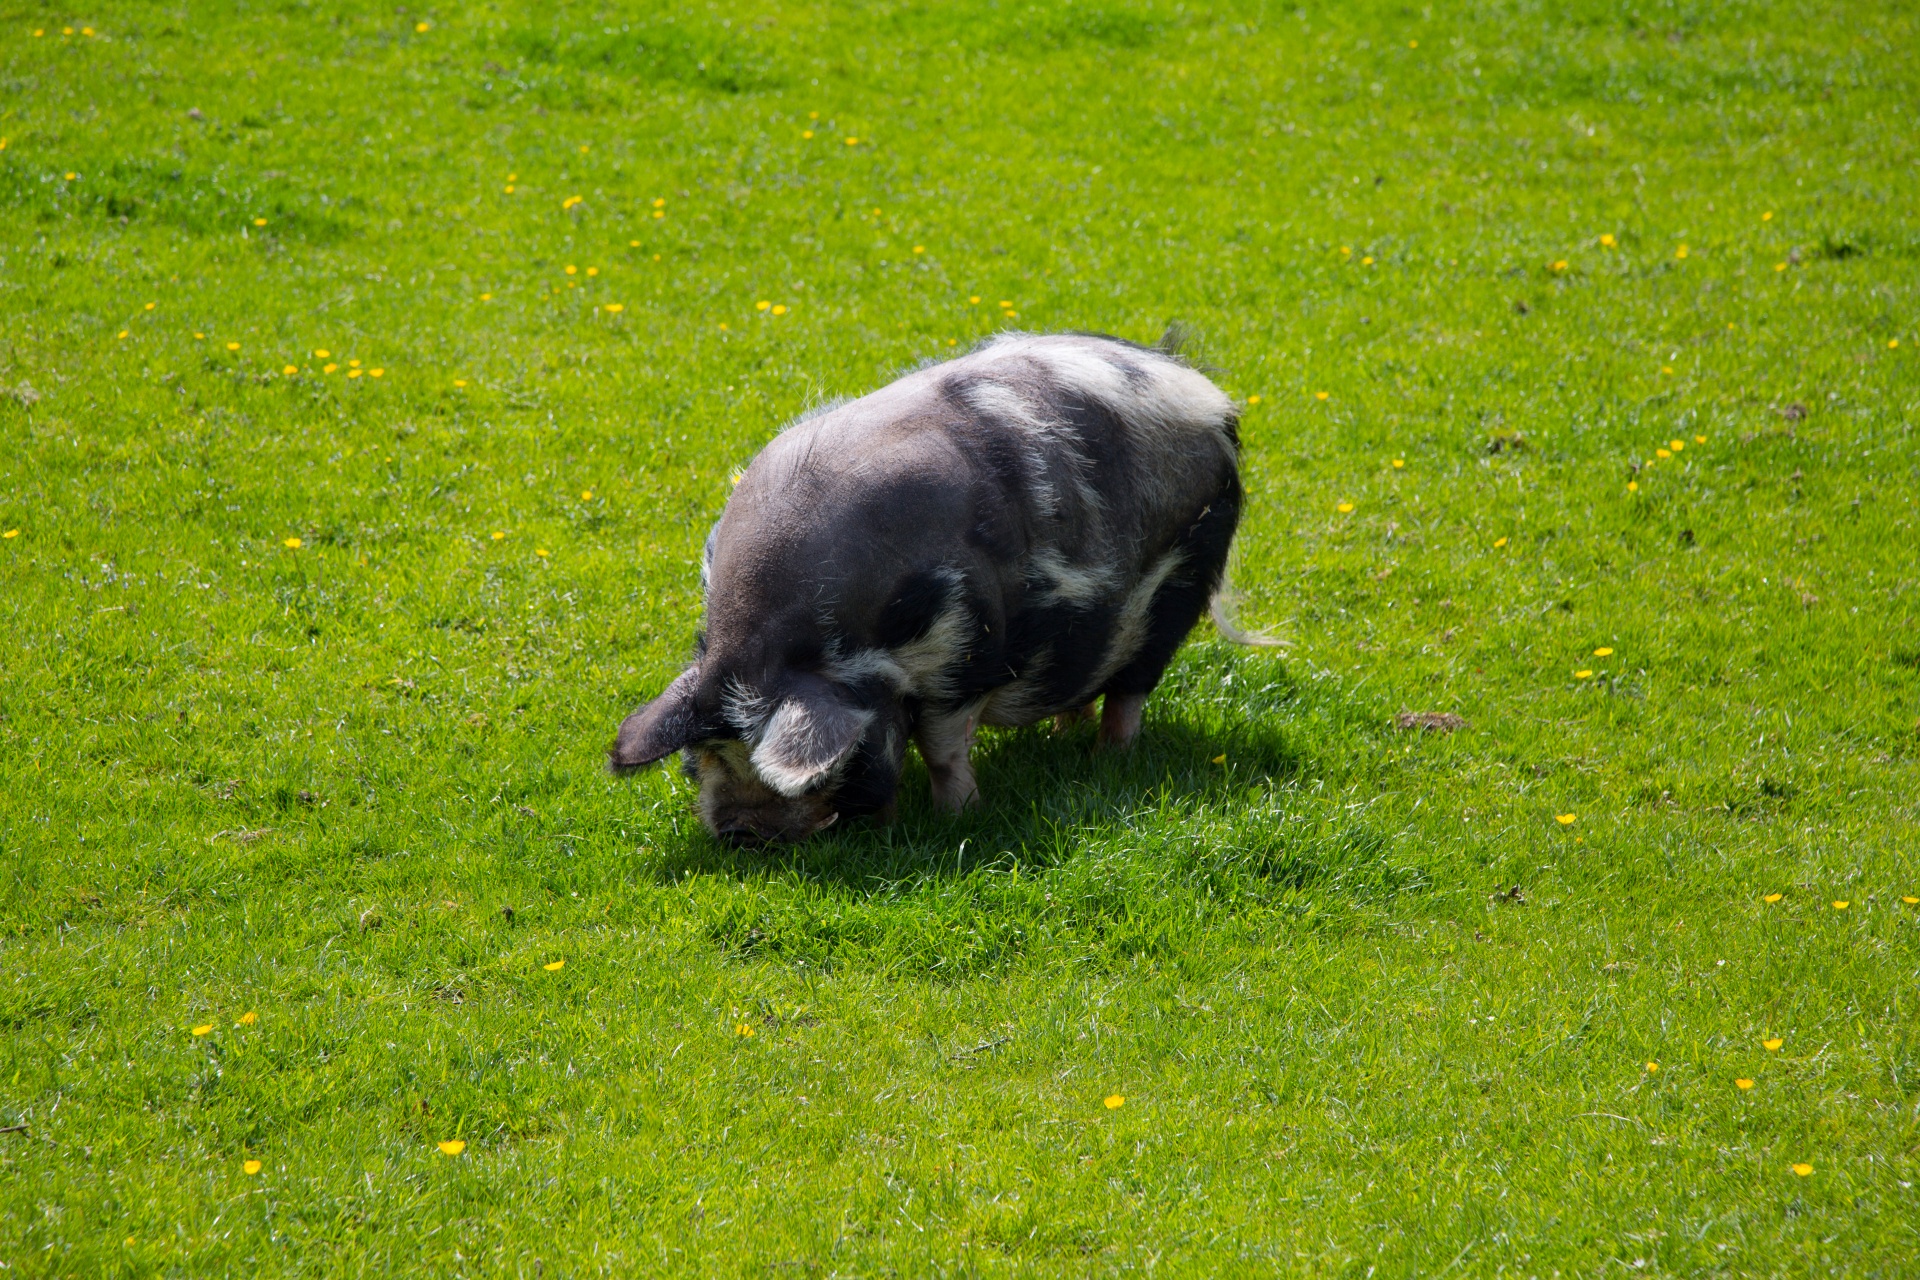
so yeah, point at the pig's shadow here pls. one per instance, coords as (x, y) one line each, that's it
(1044, 794)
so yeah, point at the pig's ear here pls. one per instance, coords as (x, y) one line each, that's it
(659, 728)
(810, 731)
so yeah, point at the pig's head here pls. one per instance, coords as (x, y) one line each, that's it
(776, 763)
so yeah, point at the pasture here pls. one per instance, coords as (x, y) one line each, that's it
(371, 375)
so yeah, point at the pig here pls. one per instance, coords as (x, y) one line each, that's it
(996, 539)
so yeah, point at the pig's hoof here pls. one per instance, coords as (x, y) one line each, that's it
(957, 797)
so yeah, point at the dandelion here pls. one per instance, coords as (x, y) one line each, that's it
(616, 307)
(1219, 759)
(593, 271)
(1839, 904)
(1413, 44)
(557, 965)
(779, 309)
(199, 337)
(1399, 464)
(1666, 368)
(459, 382)
(1773, 1045)
(1910, 901)
(1253, 399)
(659, 202)
(1114, 1102)
(1345, 250)
(1633, 486)
(321, 354)
(1366, 262)
(123, 333)
(1564, 819)
(452, 1147)
(920, 248)
(1499, 542)
(329, 368)
(233, 346)
(1603, 652)
(290, 370)
(291, 544)
(974, 298)
(761, 305)
(1561, 265)
(498, 535)
(1662, 453)
(1319, 395)
(376, 373)
(204, 1029)
(586, 495)
(1608, 241)
(571, 269)
(1344, 507)
(14, 533)
(1653, 1066)
(1743, 1083)
(1767, 216)
(853, 142)
(1779, 266)
(250, 1167)
(353, 373)
(1005, 305)
(72, 177)
(486, 297)
(743, 1029)
(423, 27)
(806, 133)
(1892, 343)
(248, 1018)
(541, 552)
(150, 306)
(1803, 1169)
(1699, 439)
(259, 222)
(1583, 674)
(1681, 252)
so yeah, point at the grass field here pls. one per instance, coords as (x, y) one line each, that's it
(369, 377)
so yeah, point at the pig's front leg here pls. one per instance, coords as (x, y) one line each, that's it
(1120, 718)
(944, 742)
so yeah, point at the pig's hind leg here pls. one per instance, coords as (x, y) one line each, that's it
(1182, 598)
(944, 740)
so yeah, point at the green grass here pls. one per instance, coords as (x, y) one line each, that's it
(1372, 1008)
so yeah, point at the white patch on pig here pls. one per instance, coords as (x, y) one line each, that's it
(1130, 626)
(791, 757)
(745, 709)
(1063, 583)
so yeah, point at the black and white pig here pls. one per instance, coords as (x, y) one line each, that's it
(994, 540)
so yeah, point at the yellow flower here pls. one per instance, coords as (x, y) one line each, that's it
(353, 373)
(250, 1167)
(498, 535)
(151, 306)
(1253, 399)
(72, 176)
(974, 299)
(1114, 1102)
(761, 305)
(1633, 486)
(1767, 216)
(1743, 1083)
(1499, 542)
(1772, 1046)
(459, 382)
(259, 222)
(556, 965)
(1583, 674)
(1564, 819)
(571, 269)
(1699, 439)
(1662, 453)
(1344, 507)
(1839, 904)
(1676, 445)
(291, 544)
(779, 309)
(321, 354)
(586, 495)
(743, 1029)
(1220, 759)
(1608, 240)
(1603, 652)
(593, 271)
(1666, 368)
(1561, 265)
(1366, 262)
(659, 213)
(1681, 252)
(853, 142)
(11, 533)
(920, 248)
(233, 346)
(1803, 1169)
(248, 1018)
(329, 368)
(123, 333)
(1005, 305)
(616, 307)
(1319, 395)
(1772, 897)
(199, 337)
(806, 133)
(541, 552)
(1653, 1066)
(204, 1029)
(1398, 463)
(1910, 901)
(1779, 266)
(290, 370)
(1345, 250)
(452, 1147)
(1413, 44)
(1892, 343)
(509, 188)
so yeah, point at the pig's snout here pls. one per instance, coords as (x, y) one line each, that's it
(742, 834)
